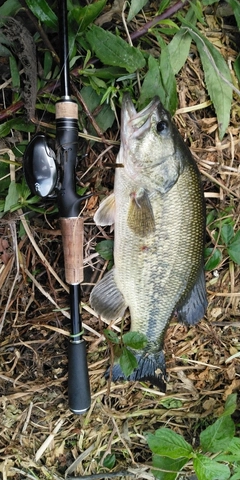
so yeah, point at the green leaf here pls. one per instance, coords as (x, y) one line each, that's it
(236, 10)
(167, 443)
(178, 49)
(230, 405)
(236, 67)
(113, 50)
(217, 77)
(165, 463)
(215, 257)
(234, 248)
(43, 12)
(234, 446)
(86, 15)
(127, 361)
(169, 93)
(105, 249)
(180, 44)
(135, 340)
(17, 124)
(226, 233)
(111, 336)
(105, 117)
(12, 197)
(14, 72)
(109, 461)
(208, 469)
(136, 6)
(151, 82)
(217, 437)
(9, 8)
(236, 474)
(4, 172)
(211, 216)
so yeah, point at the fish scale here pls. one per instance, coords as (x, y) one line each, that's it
(159, 215)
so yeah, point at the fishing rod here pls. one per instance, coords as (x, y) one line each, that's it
(50, 174)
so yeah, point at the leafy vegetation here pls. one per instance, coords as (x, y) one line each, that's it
(216, 458)
(221, 227)
(145, 61)
(122, 348)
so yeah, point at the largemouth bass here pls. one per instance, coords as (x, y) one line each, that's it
(158, 211)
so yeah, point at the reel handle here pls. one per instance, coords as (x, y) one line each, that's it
(79, 397)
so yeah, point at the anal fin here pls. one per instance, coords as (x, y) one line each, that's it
(194, 307)
(106, 299)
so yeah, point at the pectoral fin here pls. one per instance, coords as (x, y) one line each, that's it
(105, 215)
(194, 307)
(106, 299)
(140, 214)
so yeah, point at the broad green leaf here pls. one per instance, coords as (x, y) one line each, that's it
(135, 340)
(169, 91)
(236, 10)
(43, 12)
(215, 257)
(4, 171)
(9, 8)
(165, 463)
(234, 446)
(12, 197)
(226, 233)
(167, 443)
(127, 362)
(111, 336)
(113, 50)
(211, 217)
(109, 461)
(170, 403)
(86, 15)
(180, 44)
(234, 248)
(217, 437)
(105, 249)
(208, 469)
(136, 6)
(217, 77)
(17, 124)
(230, 405)
(151, 83)
(179, 49)
(236, 473)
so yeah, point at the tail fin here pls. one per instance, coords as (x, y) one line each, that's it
(151, 368)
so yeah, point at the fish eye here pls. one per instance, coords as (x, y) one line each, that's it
(161, 126)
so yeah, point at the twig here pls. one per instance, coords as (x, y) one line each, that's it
(168, 13)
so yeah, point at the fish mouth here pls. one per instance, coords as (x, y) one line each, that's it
(134, 123)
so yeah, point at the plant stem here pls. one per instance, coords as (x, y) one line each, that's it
(168, 13)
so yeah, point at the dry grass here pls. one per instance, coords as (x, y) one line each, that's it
(39, 437)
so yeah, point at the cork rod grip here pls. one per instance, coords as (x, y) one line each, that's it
(72, 236)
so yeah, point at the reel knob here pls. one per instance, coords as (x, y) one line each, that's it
(40, 169)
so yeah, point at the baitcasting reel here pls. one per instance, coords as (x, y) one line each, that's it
(40, 167)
